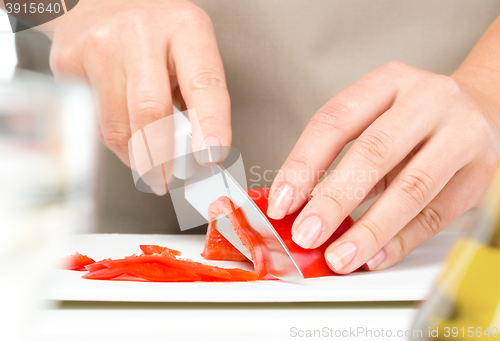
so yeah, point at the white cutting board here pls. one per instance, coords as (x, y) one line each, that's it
(410, 280)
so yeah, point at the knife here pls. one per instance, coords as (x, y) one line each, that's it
(207, 183)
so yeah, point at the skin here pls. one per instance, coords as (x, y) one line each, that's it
(140, 57)
(432, 140)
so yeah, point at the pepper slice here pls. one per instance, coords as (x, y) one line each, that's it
(224, 206)
(169, 262)
(77, 261)
(153, 272)
(156, 249)
(310, 261)
(220, 248)
(155, 260)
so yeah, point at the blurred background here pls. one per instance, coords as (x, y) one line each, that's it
(8, 59)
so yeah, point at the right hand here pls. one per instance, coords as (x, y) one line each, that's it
(137, 56)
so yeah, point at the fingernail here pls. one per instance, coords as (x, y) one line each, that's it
(210, 150)
(159, 190)
(280, 202)
(342, 255)
(308, 232)
(376, 260)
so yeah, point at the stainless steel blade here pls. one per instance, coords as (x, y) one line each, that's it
(207, 184)
(279, 261)
(224, 226)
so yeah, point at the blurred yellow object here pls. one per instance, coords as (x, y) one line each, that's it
(465, 304)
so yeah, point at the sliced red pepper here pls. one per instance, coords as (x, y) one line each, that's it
(96, 266)
(220, 248)
(156, 249)
(77, 261)
(149, 271)
(108, 269)
(240, 275)
(170, 262)
(310, 261)
(158, 273)
(105, 273)
(224, 206)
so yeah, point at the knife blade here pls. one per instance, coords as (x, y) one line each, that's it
(201, 190)
(205, 184)
(279, 262)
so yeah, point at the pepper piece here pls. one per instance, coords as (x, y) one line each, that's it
(153, 272)
(310, 261)
(77, 261)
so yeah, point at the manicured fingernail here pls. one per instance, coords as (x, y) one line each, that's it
(159, 190)
(211, 150)
(342, 255)
(376, 260)
(280, 202)
(308, 232)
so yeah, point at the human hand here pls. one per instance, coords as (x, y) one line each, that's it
(138, 55)
(426, 143)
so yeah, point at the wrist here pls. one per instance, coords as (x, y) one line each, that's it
(482, 83)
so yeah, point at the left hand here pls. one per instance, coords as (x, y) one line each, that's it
(427, 143)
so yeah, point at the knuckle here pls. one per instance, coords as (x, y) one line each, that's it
(211, 121)
(98, 39)
(205, 81)
(373, 232)
(193, 15)
(116, 138)
(479, 127)
(334, 116)
(301, 169)
(400, 247)
(446, 85)
(416, 186)
(430, 220)
(374, 148)
(331, 196)
(302, 160)
(149, 110)
(395, 68)
(137, 16)
(62, 61)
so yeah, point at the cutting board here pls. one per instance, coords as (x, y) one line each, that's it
(410, 280)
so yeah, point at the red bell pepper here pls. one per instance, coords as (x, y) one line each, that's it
(156, 249)
(224, 206)
(77, 261)
(153, 272)
(310, 261)
(159, 264)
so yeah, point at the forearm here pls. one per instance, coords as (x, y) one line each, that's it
(480, 71)
(486, 53)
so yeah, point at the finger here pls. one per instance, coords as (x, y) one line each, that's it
(202, 83)
(339, 121)
(380, 148)
(459, 195)
(417, 184)
(386, 180)
(114, 131)
(149, 103)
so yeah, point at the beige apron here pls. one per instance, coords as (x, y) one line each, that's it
(283, 60)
